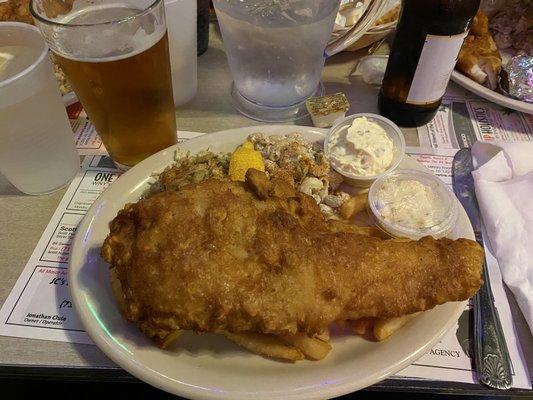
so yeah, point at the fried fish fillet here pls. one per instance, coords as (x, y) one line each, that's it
(257, 257)
(479, 57)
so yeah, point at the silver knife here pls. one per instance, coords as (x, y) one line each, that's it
(491, 354)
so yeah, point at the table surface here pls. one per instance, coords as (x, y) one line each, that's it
(23, 219)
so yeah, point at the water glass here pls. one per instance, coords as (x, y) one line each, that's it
(37, 149)
(275, 52)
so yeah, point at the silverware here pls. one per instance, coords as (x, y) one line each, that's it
(491, 355)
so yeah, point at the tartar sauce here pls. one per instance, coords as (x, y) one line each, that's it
(409, 203)
(364, 149)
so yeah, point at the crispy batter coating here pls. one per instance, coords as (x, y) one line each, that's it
(479, 57)
(215, 256)
(16, 10)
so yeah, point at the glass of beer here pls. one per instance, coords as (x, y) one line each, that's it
(115, 55)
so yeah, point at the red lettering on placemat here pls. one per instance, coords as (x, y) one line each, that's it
(74, 110)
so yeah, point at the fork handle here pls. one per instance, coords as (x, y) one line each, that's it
(491, 354)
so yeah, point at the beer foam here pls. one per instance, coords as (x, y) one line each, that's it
(92, 40)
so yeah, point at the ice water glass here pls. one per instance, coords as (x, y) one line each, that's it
(275, 51)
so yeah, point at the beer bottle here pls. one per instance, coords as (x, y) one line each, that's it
(429, 35)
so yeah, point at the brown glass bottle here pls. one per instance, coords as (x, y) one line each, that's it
(428, 39)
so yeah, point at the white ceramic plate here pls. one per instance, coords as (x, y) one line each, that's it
(491, 95)
(209, 366)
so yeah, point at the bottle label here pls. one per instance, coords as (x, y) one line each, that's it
(435, 66)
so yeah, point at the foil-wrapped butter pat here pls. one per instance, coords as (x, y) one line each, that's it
(518, 77)
(325, 110)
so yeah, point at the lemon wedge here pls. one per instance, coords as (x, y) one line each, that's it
(244, 158)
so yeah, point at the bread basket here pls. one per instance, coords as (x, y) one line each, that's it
(361, 24)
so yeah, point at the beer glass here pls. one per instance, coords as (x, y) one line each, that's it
(37, 150)
(115, 55)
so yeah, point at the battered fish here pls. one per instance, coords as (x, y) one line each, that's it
(258, 257)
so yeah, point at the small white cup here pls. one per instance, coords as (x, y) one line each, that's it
(393, 132)
(37, 149)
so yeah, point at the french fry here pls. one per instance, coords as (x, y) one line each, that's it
(312, 348)
(169, 339)
(360, 230)
(362, 326)
(266, 345)
(385, 327)
(372, 231)
(324, 336)
(354, 205)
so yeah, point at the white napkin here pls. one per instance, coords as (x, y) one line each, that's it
(504, 189)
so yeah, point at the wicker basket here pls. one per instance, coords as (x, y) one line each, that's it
(365, 31)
